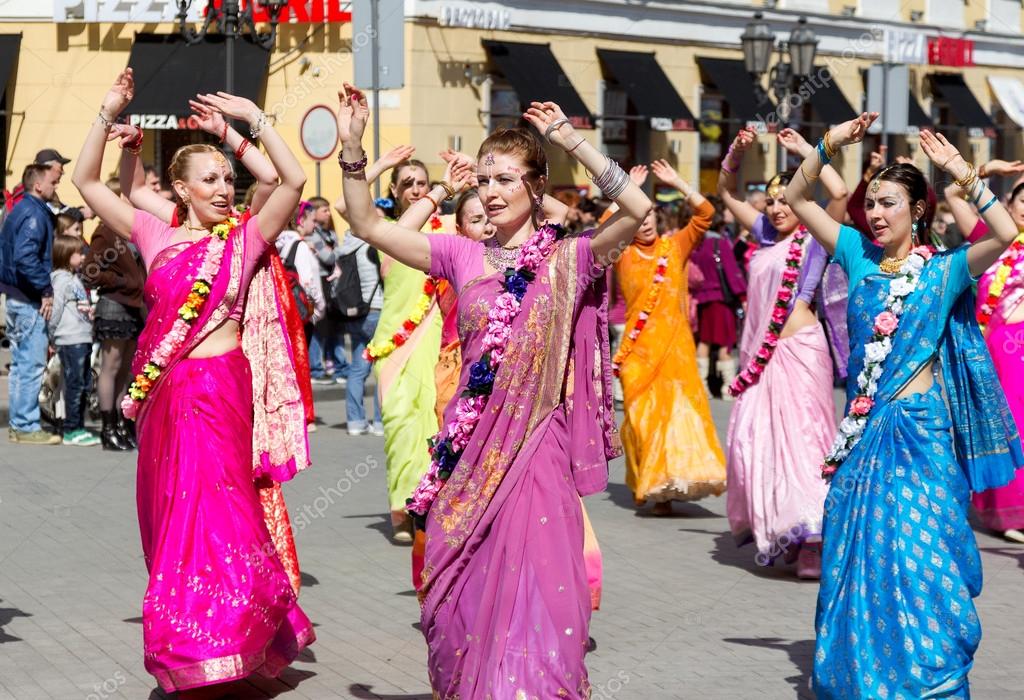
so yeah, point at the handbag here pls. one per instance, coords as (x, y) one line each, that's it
(729, 297)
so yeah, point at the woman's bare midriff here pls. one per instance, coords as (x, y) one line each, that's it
(799, 318)
(921, 383)
(219, 342)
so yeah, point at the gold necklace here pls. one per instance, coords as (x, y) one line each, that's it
(190, 228)
(891, 265)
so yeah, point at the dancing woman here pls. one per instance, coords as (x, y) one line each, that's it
(505, 602)
(672, 450)
(218, 606)
(784, 417)
(900, 564)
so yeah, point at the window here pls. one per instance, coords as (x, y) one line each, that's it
(1003, 16)
(945, 13)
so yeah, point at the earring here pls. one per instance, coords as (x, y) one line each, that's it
(913, 234)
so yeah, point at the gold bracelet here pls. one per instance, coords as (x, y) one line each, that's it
(830, 150)
(972, 174)
(448, 190)
(809, 178)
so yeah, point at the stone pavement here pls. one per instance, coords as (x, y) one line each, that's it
(685, 613)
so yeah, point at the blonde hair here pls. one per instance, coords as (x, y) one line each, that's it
(178, 170)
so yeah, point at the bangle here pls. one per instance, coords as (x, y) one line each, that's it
(578, 144)
(809, 178)
(256, 129)
(107, 123)
(979, 188)
(830, 149)
(242, 148)
(135, 145)
(822, 149)
(725, 165)
(224, 134)
(613, 181)
(557, 124)
(449, 191)
(353, 167)
(431, 200)
(966, 183)
(990, 203)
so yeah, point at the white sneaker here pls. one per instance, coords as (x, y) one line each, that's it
(310, 427)
(358, 431)
(377, 430)
(1014, 536)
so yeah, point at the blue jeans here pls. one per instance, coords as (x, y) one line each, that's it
(74, 360)
(316, 354)
(361, 331)
(27, 332)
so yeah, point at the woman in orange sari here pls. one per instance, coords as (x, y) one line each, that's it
(672, 450)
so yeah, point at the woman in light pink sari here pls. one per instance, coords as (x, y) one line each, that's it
(505, 601)
(214, 366)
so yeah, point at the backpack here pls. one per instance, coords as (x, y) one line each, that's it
(302, 301)
(347, 289)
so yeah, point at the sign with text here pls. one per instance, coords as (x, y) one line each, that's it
(902, 46)
(155, 11)
(947, 51)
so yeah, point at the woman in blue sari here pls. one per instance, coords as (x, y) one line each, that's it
(900, 565)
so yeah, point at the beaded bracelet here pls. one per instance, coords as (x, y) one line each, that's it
(351, 168)
(257, 128)
(989, 204)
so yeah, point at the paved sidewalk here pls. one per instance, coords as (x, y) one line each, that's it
(685, 614)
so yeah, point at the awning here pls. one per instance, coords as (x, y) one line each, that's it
(1010, 93)
(827, 100)
(732, 80)
(916, 116)
(963, 104)
(536, 76)
(10, 44)
(169, 72)
(649, 89)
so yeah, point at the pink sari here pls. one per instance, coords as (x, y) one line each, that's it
(505, 598)
(219, 605)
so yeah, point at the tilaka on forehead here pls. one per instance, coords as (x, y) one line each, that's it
(489, 159)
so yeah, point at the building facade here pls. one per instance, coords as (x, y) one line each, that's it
(642, 80)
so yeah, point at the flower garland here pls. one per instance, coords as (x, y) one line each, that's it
(875, 353)
(1002, 275)
(661, 267)
(780, 312)
(187, 314)
(447, 446)
(376, 351)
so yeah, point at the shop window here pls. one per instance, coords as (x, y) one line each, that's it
(506, 110)
(714, 139)
(618, 131)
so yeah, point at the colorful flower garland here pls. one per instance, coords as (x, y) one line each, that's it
(751, 375)
(447, 446)
(187, 314)
(661, 267)
(1002, 275)
(376, 351)
(875, 353)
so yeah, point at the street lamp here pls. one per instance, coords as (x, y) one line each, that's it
(233, 22)
(784, 77)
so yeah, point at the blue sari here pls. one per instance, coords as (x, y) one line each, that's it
(900, 565)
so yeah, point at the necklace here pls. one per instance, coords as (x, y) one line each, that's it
(500, 257)
(190, 228)
(892, 266)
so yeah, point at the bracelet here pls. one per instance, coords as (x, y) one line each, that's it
(431, 200)
(578, 144)
(978, 192)
(830, 149)
(351, 168)
(967, 179)
(257, 128)
(449, 191)
(724, 166)
(107, 123)
(809, 178)
(990, 203)
(242, 148)
(823, 152)
(613, 181)
(557, 124)
(224, 134)
(135, 145)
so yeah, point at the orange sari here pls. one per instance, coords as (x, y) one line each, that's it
(672, 449)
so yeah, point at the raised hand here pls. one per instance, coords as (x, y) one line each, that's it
(876, 161)
(461, 175)
(852, 131)
(230, 105)
(119, 95)
(745, 138)
(1002, 168)
(638, 174)
(448, 155)
(353, 113)
(665, 173)
(541, 115)
(794, 142)
(210, 120)
(125, 133)
(944, 154)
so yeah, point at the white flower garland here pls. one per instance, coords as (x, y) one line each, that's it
(875, 353)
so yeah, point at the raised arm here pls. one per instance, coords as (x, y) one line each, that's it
(112, 210)
(406, 245)
(457, 177)
(744, 212)
(618, 231)
(281, 203)
(703, 211)
(132, 174)
(798, 194)
(398, 154)
(835, 188)
(1001, 229)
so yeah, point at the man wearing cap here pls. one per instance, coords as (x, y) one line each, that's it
(26, 240)
(49, 157)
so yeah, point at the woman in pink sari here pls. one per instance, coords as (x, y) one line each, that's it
(219, 605)
(505, 602)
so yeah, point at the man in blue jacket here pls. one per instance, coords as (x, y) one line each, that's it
(26, 241)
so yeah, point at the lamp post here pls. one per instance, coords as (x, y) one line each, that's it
(233, 22)
(758, 42)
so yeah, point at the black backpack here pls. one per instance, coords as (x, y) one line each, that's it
(347, 289)
(302, 300)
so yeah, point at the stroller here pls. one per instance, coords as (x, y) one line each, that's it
(51, 395)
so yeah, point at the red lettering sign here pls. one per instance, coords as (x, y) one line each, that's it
(947, 51)
(303, 11)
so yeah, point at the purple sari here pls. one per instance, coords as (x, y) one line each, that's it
(505, 600)
(219, 605)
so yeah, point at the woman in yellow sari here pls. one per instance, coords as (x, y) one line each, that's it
(672, 450)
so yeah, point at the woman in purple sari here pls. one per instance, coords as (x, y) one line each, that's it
(505, 602)
(213, 367)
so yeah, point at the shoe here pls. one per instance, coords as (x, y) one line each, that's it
(33, 437)
(126, 429)
(323, 380)
(703, 365)
(1014, 536)
(80, 437)
(402, 533)
(353, 432)
(341, 381)
(377, 429)
(310, 427)
(808, 562)
(110, 438)
(662, 509)
(728, 369)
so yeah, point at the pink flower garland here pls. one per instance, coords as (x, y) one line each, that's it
(448, 444)
(780, 312)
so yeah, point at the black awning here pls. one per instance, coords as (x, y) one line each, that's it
(916, 116)
(963, 105)
(169, 72)
(649, 89)
(10, 44)
(732, 80)
(827, 100)
(536, 76)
